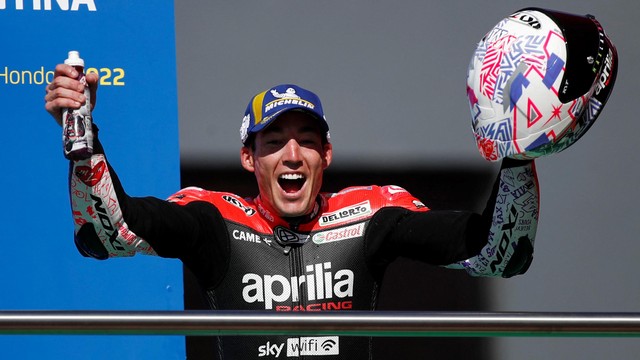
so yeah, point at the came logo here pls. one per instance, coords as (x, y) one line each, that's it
(250, 237)
(47, 5)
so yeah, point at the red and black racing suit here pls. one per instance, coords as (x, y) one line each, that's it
(245, 257)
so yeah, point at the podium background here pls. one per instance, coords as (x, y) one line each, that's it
(132, 45)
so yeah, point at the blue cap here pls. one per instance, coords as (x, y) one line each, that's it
(265, 107)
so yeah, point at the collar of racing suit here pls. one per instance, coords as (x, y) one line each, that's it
(268, 213)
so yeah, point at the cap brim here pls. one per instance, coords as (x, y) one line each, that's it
(268, 121)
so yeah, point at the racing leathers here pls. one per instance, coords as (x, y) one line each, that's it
(246, 257)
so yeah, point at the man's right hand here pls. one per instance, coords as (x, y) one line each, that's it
(67, 92)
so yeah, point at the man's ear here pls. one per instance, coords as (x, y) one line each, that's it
(328, 155)
(246, 158)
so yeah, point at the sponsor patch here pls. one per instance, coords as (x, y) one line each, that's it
(319, 284)
(237, 203)
(310, 346)
(349, 232)
(345, 214)
(250, 237)
(302, 346)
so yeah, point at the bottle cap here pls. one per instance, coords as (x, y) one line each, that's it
(74, 59)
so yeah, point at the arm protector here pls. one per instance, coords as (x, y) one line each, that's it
(509, 249)
(100, 230)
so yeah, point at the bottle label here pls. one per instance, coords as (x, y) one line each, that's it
(77, 131)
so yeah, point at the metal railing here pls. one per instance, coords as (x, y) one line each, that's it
(352, 323)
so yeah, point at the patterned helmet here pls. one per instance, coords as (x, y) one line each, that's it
(537, 82)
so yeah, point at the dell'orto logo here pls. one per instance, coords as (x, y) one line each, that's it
(346, 214)
(48, 5)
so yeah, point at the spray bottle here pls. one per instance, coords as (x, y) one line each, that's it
(77, 131)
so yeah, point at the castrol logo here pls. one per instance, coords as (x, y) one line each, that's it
(344, 233)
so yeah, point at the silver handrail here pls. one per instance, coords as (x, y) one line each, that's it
(352, 323)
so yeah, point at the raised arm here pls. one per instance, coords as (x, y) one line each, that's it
(108, 222)
(513, 209)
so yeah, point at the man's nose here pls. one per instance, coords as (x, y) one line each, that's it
(292, 156)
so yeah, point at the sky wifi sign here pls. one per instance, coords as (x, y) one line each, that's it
(302, 346)
(48, 5)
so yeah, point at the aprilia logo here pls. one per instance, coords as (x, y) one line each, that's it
(318, 283)
(605, 75)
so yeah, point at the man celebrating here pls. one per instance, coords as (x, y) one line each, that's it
(292, 247)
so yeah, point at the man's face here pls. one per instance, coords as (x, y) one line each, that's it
(288, 160)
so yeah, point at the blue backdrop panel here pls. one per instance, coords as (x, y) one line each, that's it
(132, 45)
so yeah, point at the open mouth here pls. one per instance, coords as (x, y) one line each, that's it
(291, 183)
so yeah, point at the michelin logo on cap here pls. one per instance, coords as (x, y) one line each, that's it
(268, 105)
(289, 97)
(290, 93)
